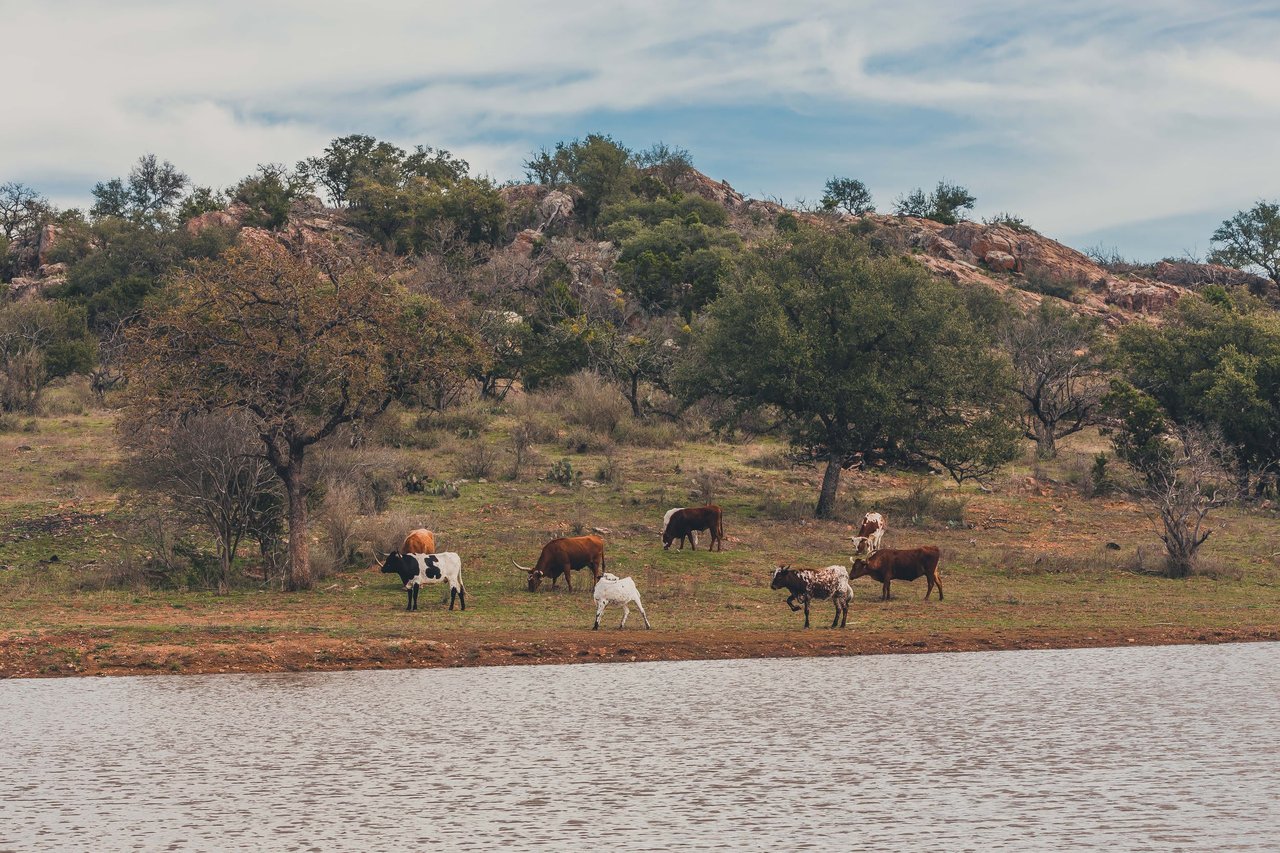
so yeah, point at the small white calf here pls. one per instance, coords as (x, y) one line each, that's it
(611, 589)
(445, 567)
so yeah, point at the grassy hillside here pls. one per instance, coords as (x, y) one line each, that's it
(1025, 564)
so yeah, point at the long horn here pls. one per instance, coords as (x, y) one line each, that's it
(520, 567)
(384, 559)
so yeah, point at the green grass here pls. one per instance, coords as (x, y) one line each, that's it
(1031, 559)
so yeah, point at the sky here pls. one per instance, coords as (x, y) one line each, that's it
(1135, 129)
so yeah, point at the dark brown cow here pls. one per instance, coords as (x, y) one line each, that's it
(684, 523)
(900, 564)
(559, 556)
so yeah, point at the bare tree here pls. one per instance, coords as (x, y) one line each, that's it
(212, 468)
(1180, 490)
(1059, 362)
(22, 210)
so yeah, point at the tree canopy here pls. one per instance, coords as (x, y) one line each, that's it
(945, 204)
(859, 356)
(1251, 240)
(1215, 363)
(848, 194)
(298, 349)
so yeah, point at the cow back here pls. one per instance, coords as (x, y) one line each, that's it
(904, 564)
(420, 541)
(570, 552)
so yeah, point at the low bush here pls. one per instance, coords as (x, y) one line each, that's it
(477, 461)
(65, 397)
(562, 472)
(654, 433)
(585, 441)
(588, 400)
(1048, 282)
(924, 505)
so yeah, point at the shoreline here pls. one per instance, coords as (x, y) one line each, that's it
(71, 653)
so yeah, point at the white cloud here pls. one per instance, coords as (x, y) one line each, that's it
(1076, 117)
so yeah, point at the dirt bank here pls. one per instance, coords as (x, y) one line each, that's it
(102, 652)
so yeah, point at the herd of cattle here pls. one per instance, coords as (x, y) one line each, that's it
(417, 563)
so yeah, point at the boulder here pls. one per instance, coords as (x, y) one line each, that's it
(998, 260)
(1141, 296)
(211, 219)
(555, 208)
(524, 242)
(48, 239)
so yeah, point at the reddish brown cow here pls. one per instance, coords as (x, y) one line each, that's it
(420, 541)
(683, 523)
(900, 564)
(559, 556)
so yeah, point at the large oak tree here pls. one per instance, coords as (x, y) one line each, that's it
(861, 356)
(301, 349)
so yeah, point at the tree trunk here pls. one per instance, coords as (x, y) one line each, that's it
(1046, 443)
(635, 397)
(299, 550)
(830, 486)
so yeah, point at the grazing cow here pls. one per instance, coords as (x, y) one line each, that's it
(560, 556)
(900, 564)
(870, 534)
(684, 523)
(415, 570)
(820, 584)
(611, 589)
(667, 518)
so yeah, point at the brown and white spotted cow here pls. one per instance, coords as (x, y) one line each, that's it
(870, 534)
(820, 584)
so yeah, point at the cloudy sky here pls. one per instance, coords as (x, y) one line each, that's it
(1138, 130)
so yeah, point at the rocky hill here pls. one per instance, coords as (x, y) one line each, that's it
(1004, 256)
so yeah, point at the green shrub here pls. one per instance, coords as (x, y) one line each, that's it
(924, 505)
(562, 472)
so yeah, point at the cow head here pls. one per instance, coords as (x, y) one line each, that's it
(388, 565)
(861, 544)
(535, 575)
(860, 569)
(778, 573)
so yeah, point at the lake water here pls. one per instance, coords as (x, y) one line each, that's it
(1128, 749)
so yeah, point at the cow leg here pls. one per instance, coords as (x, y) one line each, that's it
(806, 611)
(462, 596)
(938, 580)
(885, 594)
(643, 615)
(408, 599)
(600, 605)
(626, 611)
(453, 595)
(928, 580)
(791, 602)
